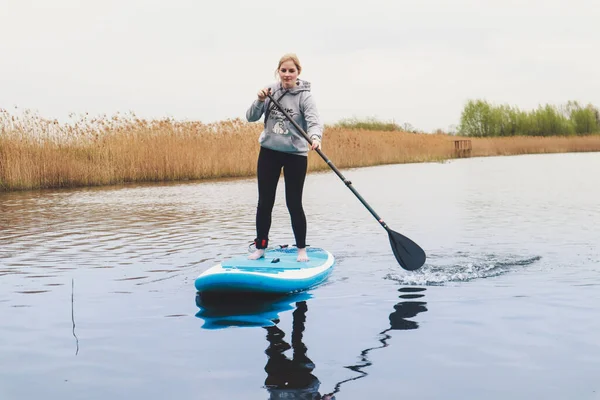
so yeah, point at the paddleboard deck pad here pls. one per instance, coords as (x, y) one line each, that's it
(277, 272)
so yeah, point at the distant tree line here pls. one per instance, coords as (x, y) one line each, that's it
(482, 119)
(374, 124)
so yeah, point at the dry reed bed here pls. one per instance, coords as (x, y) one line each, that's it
(483, 147)
(38, 153)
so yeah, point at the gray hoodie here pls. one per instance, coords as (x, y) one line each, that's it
(279, 134)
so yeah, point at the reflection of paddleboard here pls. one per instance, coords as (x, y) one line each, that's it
(225, 310)
(277, 272)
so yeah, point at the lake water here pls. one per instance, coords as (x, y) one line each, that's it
(97, 298)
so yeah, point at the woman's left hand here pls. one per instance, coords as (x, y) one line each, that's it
(316, 144)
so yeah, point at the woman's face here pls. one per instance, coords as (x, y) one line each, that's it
(288, 73)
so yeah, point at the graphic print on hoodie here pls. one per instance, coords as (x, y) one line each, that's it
(280, 122)
(279, 134)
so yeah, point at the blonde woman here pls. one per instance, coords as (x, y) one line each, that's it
(282, 147)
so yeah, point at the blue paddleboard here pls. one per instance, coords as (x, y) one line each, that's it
(277, 272)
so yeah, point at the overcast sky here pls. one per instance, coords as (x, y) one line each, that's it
(414, 61)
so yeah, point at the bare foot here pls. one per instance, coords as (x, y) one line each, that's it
(302, 257)
(259, 253)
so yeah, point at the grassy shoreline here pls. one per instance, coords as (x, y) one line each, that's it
(36, 153)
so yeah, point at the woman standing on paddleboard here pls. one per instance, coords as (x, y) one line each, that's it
(281, 146)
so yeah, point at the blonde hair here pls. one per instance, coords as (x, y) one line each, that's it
(289, 57)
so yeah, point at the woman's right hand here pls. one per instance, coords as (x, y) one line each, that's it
(262, 94)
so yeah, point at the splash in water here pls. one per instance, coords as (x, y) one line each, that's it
(463, 267)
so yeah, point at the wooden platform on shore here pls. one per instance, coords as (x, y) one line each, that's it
(462, 148)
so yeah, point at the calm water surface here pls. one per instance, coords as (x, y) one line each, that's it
(97, 298)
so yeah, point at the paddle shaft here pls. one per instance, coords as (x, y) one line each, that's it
(328, 161)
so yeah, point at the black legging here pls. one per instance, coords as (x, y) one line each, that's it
(269, 167)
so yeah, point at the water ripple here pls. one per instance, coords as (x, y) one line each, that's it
(123, 232)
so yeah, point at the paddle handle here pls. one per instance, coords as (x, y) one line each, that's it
(328, 161)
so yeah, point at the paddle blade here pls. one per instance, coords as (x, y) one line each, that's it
(409, 254)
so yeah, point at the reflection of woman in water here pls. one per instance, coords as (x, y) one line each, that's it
(291, 379)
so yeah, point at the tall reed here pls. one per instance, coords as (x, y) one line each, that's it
(485, 147)
(40, 153)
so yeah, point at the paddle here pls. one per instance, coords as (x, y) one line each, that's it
(409, 255)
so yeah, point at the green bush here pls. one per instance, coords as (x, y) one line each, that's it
(482, 119)
(371, 124)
